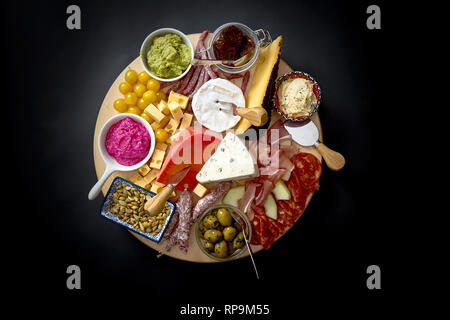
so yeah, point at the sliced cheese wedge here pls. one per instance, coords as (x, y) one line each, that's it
(263, 81)
(231, 161)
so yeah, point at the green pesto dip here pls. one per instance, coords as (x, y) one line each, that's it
(168, 56)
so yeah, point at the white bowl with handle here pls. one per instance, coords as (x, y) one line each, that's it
(111, 164)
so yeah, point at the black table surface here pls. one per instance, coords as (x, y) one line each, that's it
(57, 81)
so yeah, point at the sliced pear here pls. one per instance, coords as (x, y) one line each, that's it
(281, 191)
(270, 207)
(234, 195)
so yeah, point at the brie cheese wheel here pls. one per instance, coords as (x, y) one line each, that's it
(211, 104)
(231, 161)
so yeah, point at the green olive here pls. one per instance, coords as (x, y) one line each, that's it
(221, 249)
(237, 226)
(210, 221)
(212, 235)
(224, 217)
(229, 233)
(239, 242)
(202, 228)
(231, 249)
(209, 246)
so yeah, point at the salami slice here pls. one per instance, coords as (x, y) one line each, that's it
(202, 78)
(184, 204)
(182, 84)
(193, 81)
(210, 198)
(172, 225)
(309, 170)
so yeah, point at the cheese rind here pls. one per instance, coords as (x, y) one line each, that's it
(231, 161)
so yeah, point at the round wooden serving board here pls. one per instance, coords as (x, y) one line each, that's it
(107, 110)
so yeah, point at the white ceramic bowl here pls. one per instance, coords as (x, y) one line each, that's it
(145, 47)
(111, 164)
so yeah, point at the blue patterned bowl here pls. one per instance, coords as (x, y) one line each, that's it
(106, 213)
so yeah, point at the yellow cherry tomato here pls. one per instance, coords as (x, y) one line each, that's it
(120, 105)
(131, 76)
(146, 117)
(134, 110)
(131, 98)
(150, 96)
(153, 84)
(139, 89)
(161, 135)
(142, 104)
(125, 87)
(160, 95)
(143, 77)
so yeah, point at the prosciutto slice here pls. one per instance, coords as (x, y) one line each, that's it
(249, 196)
(264, 193)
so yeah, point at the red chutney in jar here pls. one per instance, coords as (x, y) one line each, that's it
(128, 141)
(232, 44)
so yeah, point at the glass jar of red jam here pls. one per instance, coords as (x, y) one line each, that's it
(233, 40)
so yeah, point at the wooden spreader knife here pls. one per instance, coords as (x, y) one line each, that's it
(308, 135)
(156, 204)
(257, 116)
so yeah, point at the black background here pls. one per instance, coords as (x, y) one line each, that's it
(57, 81)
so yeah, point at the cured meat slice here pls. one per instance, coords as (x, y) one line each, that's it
(309, 170)
(248, 197)
(172, 225)
(192, 81)
(183, 83)
(184, 206)
(219, 72)
(210, 198)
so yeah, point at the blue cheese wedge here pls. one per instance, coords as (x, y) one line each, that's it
(231, 161)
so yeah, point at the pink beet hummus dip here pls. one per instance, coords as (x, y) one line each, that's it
(128, 142)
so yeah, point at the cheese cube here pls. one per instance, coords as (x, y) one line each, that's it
(138, 180)
(156, 187)
(154, 113)
(186, 121)
(149, 177)
(157, 125)
(173, 137)
(157, 159)
(200, 190)
(163, 107)
(144, 169)
(171, 126)
(161, 146)
(177, 114)
(178, 99)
